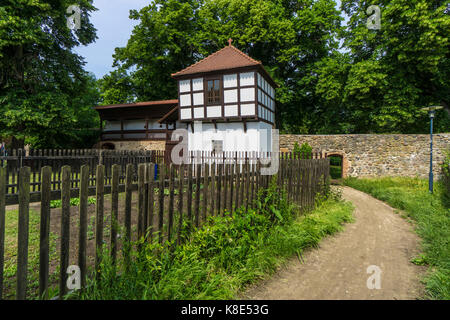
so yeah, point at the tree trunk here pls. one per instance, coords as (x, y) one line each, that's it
(17, 143)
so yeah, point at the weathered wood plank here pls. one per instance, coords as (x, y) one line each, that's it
(65, 230)
(171, 200)
(99, 216)
(161, 201)
(82, 236)
(114, 211)
(3, 181)
(44, 237)
(23, 232)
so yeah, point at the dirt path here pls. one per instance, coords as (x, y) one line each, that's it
(338, 269)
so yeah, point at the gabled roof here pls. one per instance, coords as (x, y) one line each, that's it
(227, 58)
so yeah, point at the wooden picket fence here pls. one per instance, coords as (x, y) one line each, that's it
(56, 159)
(150, 203)
(15, 159)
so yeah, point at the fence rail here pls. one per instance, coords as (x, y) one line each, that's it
(152, 202)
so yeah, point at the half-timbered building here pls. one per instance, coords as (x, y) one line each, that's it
(226, 102)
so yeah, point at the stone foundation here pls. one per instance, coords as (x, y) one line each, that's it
(371, 155)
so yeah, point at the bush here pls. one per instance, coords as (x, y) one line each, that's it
(304, 151)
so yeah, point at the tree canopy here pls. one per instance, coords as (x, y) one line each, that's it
(333, 77)
(46, 97)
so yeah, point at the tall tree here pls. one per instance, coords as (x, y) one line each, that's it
(41, 78)
(289, 37)
(392, 72)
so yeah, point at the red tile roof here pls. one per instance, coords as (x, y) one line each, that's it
(139, 104)
(227, 58)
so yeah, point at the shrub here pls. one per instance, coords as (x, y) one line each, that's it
(303, 151)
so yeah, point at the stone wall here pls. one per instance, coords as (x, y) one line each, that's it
(136, 145)
(369, 155)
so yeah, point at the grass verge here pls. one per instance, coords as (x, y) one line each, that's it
(224, 256)
(432, 216)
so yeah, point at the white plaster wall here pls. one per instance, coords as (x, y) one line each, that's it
(185, 85)
(230, 80)
(247, 79)
(197, 84)
(186, 113)
(185, 100)
(199, 112)
(134, 125)
(111, 125)
(247, 94)
(231, 110)
(257, 138)
(214, 111)
(198, 98)
(230, 96)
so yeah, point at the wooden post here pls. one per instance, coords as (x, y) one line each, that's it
(161, 202)
(84, 189)
(213, 187)
(151, 199)
(180, 201)
(23, 229)
(128, 198)
(230, 205)
(219, 189)
(100, 180)
(205, 191)
(141, 202)
(46, 176)
(3, 182)
(189, 193)
(65, 230)
(198, 181)
(114, 211)
(171, 200)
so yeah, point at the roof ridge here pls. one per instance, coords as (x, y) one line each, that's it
(216, 53)
(192, 65)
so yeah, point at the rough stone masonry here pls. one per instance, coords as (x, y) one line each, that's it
(370, 155)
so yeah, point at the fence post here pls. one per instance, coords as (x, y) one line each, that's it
(3, 182)
(23, 229)
(162, 168)
(180, 201)
(141, 202)
(65, 230)
(114, 210)
(100, 180)
(171, 200)
(83, 208)
(46, 173)
(151, 204)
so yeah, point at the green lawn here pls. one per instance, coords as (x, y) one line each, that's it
(10, 267)
(432, 216)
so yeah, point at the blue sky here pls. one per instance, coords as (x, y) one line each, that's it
(113, 30)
